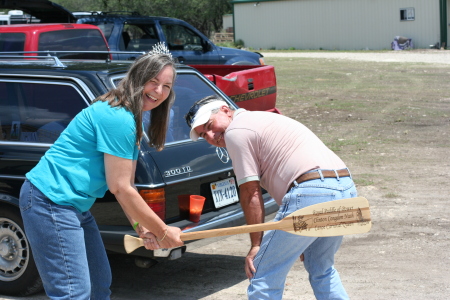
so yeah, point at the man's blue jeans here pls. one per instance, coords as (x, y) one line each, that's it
(67, 247)
(279, 249)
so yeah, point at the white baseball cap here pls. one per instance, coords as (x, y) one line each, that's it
(202, 116)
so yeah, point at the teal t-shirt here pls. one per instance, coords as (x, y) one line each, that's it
(72, 171)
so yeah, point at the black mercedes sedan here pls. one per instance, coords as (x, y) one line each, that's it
(39, 97)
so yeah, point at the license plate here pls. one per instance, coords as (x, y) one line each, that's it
(224, 192)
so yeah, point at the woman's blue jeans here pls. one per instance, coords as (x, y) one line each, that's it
(279, 249)
(67, 247)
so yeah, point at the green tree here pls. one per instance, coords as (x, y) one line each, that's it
(205, 15)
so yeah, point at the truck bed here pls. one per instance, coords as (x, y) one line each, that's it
(253, 87)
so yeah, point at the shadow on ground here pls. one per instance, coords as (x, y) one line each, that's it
(193, 276)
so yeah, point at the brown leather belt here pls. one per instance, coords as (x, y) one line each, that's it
(316, 175)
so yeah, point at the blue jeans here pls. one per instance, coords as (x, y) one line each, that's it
(67, 247)
(279, 249)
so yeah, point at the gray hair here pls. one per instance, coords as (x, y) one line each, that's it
(189, 117)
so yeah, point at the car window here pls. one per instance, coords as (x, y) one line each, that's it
(180, 37)
(74, 40)
(138, 37)
(106, 29)
(188, 89)
(12, 41)
(37, 112)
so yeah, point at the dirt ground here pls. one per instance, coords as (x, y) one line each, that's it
(390, 122)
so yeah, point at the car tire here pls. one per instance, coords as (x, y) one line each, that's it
(18, 273)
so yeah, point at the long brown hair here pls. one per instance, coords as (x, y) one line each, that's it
(128, 94)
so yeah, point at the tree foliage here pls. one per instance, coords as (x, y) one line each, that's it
(205, 15)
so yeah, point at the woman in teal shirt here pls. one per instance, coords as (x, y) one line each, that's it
(96, 152)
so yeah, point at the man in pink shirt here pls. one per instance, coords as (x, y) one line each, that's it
(288, 160)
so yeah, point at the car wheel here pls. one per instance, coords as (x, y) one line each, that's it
(18, 272)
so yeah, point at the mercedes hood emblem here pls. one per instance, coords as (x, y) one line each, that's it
(223, 155)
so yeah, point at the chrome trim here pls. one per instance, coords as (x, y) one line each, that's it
(199, 176)
(58, 63)
(154, 186)
(150, 186)
(13, 177)
(177, 171)
(112, 78)
(177, 142)
(223, 155)
(28, 144)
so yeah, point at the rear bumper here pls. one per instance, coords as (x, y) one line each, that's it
(228, 217)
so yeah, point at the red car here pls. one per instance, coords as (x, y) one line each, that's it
(73, 39)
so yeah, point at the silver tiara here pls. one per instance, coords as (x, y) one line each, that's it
(160, 48)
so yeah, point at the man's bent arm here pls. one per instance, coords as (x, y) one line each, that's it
(250, 195)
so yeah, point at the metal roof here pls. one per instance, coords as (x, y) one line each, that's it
(46, 11)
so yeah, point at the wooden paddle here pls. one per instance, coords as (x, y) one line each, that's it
(339, 217)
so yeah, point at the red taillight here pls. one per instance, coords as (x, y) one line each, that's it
(156, 199)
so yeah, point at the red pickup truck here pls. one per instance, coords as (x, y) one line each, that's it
(77, 38)
(253, 87)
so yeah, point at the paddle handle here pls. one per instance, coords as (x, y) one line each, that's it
(131, 243)
(188, 236)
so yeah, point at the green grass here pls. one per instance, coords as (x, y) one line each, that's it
(373, 115)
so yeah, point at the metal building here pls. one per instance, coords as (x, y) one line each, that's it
(339, 24)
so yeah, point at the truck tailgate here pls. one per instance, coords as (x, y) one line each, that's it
(252, 87)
